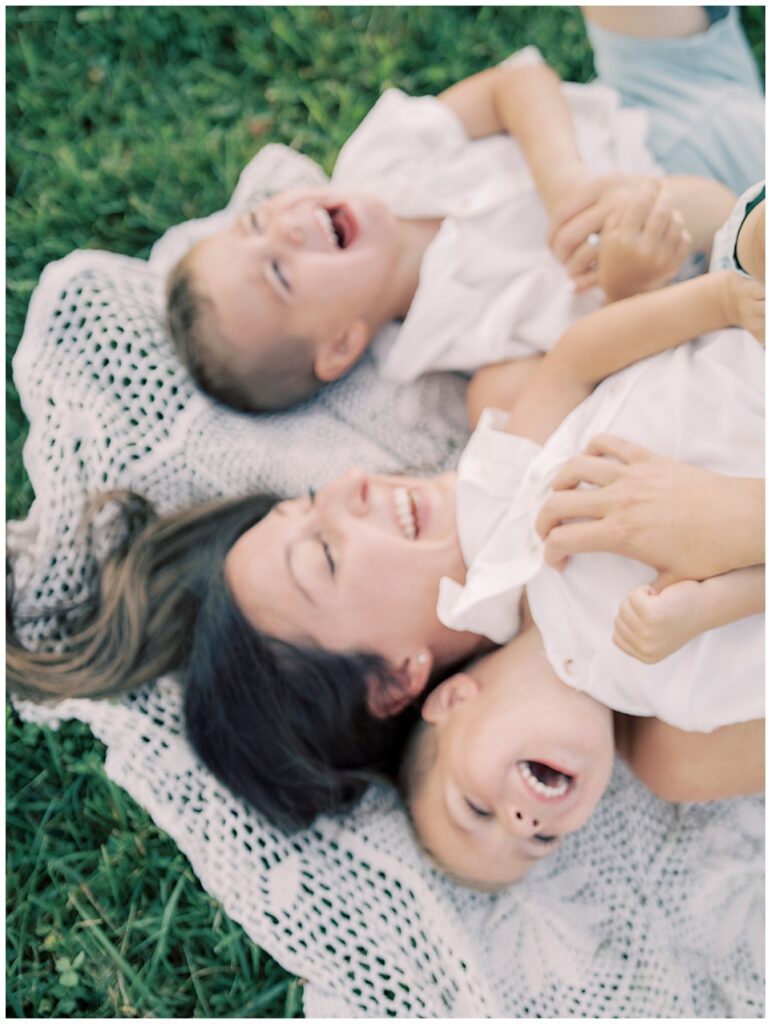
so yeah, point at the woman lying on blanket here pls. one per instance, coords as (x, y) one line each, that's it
(306, 630)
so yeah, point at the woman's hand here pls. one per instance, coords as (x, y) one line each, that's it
(643, 243)
(686, 522)
(580, 213)
(648, 244)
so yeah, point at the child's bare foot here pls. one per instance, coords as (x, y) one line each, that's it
(651, 626)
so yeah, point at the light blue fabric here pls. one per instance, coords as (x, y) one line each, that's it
(703, 94)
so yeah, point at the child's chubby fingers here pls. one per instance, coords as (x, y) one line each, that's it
(636, 628)
(625, 637)
(643, 603)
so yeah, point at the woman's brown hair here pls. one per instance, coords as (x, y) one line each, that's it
(286, 727)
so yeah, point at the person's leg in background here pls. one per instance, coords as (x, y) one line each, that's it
(692, 70)
(650, 22)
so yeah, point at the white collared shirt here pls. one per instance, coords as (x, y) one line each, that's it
(701, 403)
(489, 287)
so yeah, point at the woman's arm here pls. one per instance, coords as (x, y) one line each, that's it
(694, 766)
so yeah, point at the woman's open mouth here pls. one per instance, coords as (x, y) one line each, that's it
(546, 781)
(406, 513)
(339, 225)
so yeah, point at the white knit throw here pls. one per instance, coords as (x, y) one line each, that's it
(651, 910)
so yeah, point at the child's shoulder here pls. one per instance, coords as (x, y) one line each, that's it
(724, 246)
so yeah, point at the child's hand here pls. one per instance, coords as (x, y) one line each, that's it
(747, 304)
(643, 241)
(651, 626)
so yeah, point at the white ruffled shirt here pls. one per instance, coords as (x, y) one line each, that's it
(489, 287)
(701, 403)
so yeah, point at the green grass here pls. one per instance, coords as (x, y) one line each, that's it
(121, 122)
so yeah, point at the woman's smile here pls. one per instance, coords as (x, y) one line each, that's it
(356, 567)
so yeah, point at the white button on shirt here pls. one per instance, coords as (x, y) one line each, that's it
(702, 404)
(489, 288)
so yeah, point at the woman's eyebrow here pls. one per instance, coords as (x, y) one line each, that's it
(288, 551)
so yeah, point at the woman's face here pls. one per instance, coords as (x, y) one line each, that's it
(356, 568)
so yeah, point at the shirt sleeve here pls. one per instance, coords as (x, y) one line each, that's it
(495, 533)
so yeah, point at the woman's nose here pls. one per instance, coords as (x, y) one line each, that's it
(350, 492)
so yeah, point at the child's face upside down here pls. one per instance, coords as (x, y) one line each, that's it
(512, 760)
(307, 265)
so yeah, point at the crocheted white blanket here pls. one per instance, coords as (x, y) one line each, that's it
(652, 910)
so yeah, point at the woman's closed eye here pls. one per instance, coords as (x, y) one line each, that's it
(328, 555)
(324, 546)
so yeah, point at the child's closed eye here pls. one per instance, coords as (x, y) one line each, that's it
(280, 275)
(475, 809)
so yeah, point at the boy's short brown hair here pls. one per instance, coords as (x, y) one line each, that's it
(279, 375)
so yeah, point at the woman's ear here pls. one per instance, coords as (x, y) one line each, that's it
(406, 684)
(448, 695)
(336, 355)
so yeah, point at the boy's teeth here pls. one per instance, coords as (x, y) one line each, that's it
(325, 220)
(559, 788)
(405, 512)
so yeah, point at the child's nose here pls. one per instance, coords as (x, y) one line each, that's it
(519, 822)
(288, 229)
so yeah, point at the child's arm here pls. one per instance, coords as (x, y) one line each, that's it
(527, 102)
(652, 624)
(686, 766)
(617, 335)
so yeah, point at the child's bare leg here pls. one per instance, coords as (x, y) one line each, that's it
(498, 385)
(649, 22)
(651, 625)
(685, 766)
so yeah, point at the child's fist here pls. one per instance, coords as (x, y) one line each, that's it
(650, 625)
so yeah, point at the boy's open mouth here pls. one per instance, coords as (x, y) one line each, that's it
(340, 224)
(546, 781)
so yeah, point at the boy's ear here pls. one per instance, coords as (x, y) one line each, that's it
(385, 699)
(448, 695)
(337, 354)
